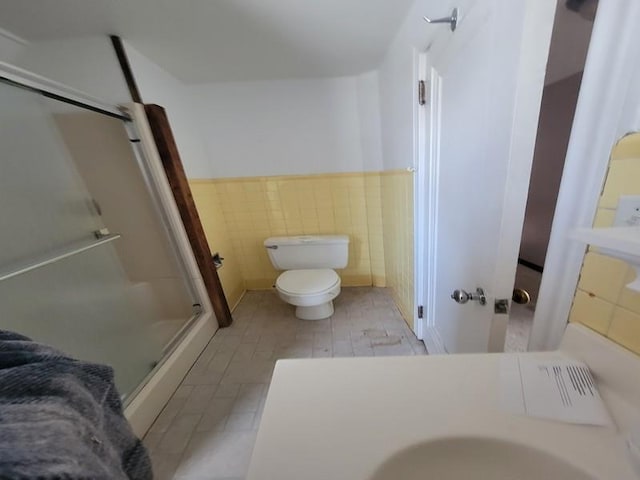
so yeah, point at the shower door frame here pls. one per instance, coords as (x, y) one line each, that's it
(148, 399)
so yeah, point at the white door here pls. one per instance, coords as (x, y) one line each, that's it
(486, 82)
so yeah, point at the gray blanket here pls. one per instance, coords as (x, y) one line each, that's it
(61, 418)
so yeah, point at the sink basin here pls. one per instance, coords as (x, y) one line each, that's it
(468, 458)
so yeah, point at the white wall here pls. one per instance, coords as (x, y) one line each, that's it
(397, 79)
(88, 64)
(396, 104)
(263, 128)
(368, 90)
(158, 86)
(278, 127)
(10, 46)
(288, 127)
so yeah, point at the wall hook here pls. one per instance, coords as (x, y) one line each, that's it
(452, 20)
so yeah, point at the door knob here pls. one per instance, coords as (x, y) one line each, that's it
(521, 296)
(462, 297)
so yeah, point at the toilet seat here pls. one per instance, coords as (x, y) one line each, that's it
(307, 282)
(311, 291)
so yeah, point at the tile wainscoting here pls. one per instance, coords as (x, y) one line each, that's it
(239, 213)
(397, 227)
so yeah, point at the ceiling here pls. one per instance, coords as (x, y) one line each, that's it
(202, 41)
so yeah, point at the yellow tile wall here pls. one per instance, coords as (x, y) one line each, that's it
(373, 196)
(254, 208)
(397, 225)
(213, 223)
(602, 302)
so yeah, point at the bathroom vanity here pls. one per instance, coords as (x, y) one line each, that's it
(441, 417)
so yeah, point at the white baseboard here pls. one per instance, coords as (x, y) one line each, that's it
(433, 342)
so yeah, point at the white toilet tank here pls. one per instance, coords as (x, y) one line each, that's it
(308, 251)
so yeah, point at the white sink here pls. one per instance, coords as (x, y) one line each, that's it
(441, 417)
(467, 458)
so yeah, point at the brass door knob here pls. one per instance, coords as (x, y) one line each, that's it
(521, 296)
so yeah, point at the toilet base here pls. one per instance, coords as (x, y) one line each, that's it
(315, 312)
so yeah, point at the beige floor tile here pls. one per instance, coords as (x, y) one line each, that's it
(322, 352)
(215, 417)
(342, 348)
(239, 421)
(220, 361)
(151, 440)
(217, 455)
(177, 436)
(171, 409)
(227, 390)
(207, 378)
(248, 400)
(210, 422)
(199, 399)
(165, 465)
(244, 352)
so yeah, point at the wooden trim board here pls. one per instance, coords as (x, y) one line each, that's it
(172, 164)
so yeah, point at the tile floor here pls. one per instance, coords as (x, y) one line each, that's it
(519, 328)
(208, 428)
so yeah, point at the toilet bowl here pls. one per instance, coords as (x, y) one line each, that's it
(309, 281)
(311, 290)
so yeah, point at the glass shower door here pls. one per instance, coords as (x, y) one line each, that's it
(62, 280)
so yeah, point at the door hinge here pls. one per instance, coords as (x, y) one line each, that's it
(420, 311)
(422, 92)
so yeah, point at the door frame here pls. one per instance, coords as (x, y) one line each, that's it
(608, 107)
(425, 202)
(526, 114)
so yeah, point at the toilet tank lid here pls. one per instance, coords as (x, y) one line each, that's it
(306, 239)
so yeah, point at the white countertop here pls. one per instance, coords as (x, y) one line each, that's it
(341, 418)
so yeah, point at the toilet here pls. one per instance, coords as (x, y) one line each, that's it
(309, 281)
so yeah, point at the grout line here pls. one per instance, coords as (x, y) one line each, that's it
(270, 312)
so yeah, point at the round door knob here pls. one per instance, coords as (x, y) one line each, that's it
(460, 296)
(521, 296)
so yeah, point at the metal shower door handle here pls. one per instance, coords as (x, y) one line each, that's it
(462, 297)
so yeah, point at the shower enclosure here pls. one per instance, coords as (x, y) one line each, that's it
(88, 263)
